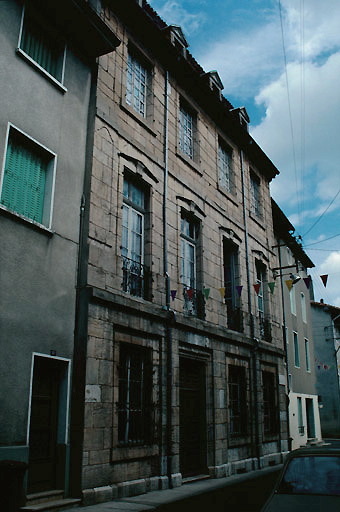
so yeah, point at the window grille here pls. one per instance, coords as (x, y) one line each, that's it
(237, 400)
(225, 168)
(186, 132)
(136, 85)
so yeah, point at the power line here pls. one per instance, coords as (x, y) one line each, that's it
(325, 211)
(325, 240)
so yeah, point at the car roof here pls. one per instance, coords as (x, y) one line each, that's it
(325, 449)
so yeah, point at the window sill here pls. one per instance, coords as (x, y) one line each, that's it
(133, 452)
(41, 70)
(144, 122)
(25, 220)
(189, 162)
(229, 195)
(259, 220)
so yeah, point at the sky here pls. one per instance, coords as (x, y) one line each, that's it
(281, 60)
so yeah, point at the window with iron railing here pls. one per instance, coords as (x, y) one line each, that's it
(230, 274)
(270, 408)
(237, 386)
(136, 275)
(135, 388)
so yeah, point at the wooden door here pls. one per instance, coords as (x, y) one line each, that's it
(192, 417)
(43, 425)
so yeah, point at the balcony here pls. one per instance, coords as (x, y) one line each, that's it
(194, 303)
(136, 279)
(265, 329)
(234, 318)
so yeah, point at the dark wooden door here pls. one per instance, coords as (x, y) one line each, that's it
(43, 425)
(192, 417)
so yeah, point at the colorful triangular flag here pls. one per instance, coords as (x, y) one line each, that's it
(190, 292)
(324, 279)
(257, 288)
(307, 281)
(173, 294)
(289, 284)
(239, 290)
(222, 292)
(271, 286)
(206, 292)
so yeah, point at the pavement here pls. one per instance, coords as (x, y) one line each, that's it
(159, 499)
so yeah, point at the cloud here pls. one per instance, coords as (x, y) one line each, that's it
(175, 14)
(331, 266)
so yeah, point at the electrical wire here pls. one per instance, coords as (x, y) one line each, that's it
(325, 211)
(321, 241)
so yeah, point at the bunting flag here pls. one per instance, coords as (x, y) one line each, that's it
(257, 288)
(206, 292)
(289, 284)
(271, 287)
(190, 292)
(222, 292)
(173, 294)
(307, 281)
(324, 279)
(239, 290)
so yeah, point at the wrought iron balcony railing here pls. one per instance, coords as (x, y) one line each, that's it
(194, 302)
(265, 329)
(234, 318)
(136, 279)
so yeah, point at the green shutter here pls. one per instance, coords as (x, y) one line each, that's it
(23, 186)
(39, 45)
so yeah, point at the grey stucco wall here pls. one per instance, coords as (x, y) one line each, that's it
(38, 269)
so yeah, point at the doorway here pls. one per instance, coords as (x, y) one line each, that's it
(310, 418)
(192, 402)
(47, 425)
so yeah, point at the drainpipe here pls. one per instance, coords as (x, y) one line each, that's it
(252, 327)
(285, 349)
(167, 291)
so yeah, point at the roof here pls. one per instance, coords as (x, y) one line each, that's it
(284, 229)
(334, 311)
(81, 24)
(147, 26)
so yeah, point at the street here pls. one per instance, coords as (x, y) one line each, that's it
(247, 496)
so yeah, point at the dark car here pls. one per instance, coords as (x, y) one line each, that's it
(309, 480)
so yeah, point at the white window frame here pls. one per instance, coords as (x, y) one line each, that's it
(307, 355)
(50, 178)
(255, 195)
(131, 212)
(22, 53)
(303, 308)
(292, 298)
(133, 83)
(225, 167)
(296, 350)
(186, 131)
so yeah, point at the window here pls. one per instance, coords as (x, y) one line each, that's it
(261, 278)
(137, 78)
(292, 301)
(135, 273)
(135, 388)
(193, 300)
(255, 196)
(186, 131)
(307, 355)
(28, 178)
(225, 167)
(230, 270)
(300, 416)
(303, 307)
(237, 400)
(40, 43)
(270, 423)
(296, 350)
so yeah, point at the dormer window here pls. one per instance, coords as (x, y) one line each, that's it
(214, 82)
(178, 39)
(241, 114)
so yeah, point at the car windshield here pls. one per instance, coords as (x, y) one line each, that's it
(312, 475)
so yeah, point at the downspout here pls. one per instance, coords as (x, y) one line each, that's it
(168, 332)
(285, 349)
(252, 327)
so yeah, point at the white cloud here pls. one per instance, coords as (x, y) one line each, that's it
(173, 13)
(331, 267)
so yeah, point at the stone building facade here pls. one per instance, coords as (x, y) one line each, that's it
(181, 361)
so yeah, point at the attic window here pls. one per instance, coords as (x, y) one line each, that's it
(177, 39)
